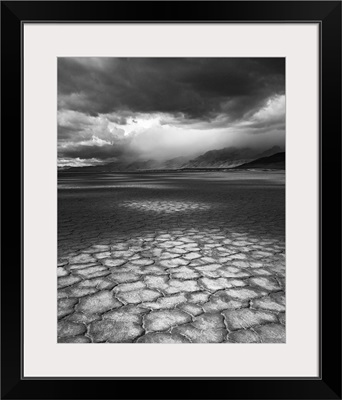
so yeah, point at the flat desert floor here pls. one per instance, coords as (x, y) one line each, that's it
(183, 257)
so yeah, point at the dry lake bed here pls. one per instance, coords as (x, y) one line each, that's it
(178, 257)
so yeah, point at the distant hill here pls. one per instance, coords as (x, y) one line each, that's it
(229, 157)
(276, 161)
(175, 163)
(271, 151)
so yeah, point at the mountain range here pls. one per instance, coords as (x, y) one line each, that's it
(276, 161)
(228, 157)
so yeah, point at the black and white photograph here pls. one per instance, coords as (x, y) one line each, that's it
(171, 200)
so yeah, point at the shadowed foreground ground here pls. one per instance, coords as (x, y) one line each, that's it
(171, 258)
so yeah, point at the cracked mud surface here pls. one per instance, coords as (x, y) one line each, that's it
(171, 258)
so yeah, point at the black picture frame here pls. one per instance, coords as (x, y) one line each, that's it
(328, 15)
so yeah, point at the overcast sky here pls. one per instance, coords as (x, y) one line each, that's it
(127, 109)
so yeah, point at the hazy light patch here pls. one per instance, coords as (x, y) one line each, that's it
(166, 141)
(166, 206)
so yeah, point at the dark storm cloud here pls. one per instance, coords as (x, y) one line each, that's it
(198, 88)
